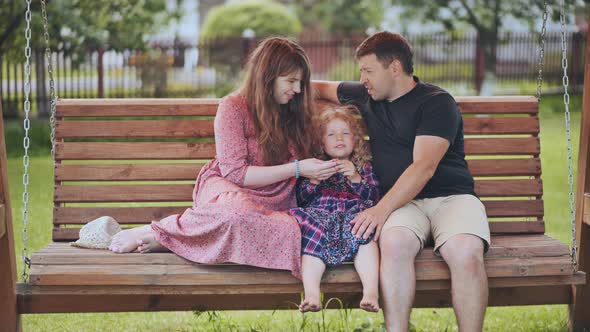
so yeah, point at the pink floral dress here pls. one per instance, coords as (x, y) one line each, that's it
(229, 223)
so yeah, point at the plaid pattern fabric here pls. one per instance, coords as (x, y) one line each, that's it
(325, 211)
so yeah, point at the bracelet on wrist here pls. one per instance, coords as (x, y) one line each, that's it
(297, 173)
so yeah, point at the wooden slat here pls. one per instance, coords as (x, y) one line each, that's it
(496, 126)
(127, 172)
(65, 254)
(504, 227)
(134, 129)
(183, 192)
(136, 107)
(204, 128)
(527, 208)
(123, 215)
(186, 171)
(502, 146)
(124, 193)
(502, 188)
(236, 275)
(135, 150)
(202, 150)
(187, 107)
(141, 215)
(528, 227)
(505, 167)
(498, 105)
(35, 299)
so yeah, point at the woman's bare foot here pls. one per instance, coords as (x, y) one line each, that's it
(370, 303)
(149, 244)
(126, 240)
(310, 303)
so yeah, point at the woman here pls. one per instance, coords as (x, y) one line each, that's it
(241, 198)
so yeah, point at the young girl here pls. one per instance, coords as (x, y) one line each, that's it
(326, 208)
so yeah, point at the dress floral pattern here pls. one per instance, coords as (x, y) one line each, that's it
(325, 211)
(229, 223)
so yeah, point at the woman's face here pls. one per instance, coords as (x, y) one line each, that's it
(338, 139)
(286, 87)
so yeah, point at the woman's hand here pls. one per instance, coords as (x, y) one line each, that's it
(346, 167)
(313, 168)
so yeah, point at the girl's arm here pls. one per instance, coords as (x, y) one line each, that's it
(307, 190)
(368, 188)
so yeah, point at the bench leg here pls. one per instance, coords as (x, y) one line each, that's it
(579, 311)
(9, 317)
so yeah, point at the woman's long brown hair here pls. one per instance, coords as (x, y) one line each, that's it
(279, 127)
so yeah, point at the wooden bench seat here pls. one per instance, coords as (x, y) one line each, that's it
(136, 160)
(536, 261)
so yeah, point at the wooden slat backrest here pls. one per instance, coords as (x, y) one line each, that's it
(136, 159)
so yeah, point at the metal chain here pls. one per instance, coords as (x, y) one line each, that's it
(26, 142)
(541, 61)
(566, 102)
(51, 80)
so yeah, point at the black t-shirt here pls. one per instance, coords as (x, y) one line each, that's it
(393, 127)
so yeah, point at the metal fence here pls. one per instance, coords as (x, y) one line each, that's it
(212, 69)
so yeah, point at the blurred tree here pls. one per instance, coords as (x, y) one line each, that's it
(77, 25)
(341, 17)
(263, 17)
(221, 38)
(486, 17)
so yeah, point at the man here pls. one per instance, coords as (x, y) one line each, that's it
(416, 136)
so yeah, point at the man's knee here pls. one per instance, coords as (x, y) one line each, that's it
(464, 252)
(398, 244)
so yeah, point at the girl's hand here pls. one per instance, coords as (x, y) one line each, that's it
(346, 167)
(313, 168)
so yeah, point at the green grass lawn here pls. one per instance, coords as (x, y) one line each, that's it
(531, 318)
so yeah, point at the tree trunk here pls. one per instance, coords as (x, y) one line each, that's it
(487, 41)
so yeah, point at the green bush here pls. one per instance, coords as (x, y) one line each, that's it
(221, 37)
(265, 18)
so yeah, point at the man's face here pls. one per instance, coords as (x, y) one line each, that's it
(377, 80)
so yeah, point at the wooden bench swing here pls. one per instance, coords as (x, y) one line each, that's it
(136, 160)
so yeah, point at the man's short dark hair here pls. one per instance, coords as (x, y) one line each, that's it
(388, 46)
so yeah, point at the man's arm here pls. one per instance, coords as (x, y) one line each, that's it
(428, 152)
(326, 90)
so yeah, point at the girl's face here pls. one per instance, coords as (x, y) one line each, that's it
(286, 87)
(338, 139)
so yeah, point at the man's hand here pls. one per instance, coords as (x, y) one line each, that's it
(372, 219)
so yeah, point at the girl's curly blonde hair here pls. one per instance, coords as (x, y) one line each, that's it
(361, 152)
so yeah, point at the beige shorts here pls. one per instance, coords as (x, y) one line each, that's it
(440, 218)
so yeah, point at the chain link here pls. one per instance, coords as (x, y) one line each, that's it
(51, 80)
(541, 60)
(566, 102)
(26, 143)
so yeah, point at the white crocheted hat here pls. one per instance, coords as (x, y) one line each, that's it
(98, 233)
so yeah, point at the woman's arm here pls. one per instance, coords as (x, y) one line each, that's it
(259, 176)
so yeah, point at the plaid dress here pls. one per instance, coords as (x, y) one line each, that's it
(325, 211)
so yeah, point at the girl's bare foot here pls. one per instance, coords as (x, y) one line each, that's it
(149, 244)
(370, 303)
(310, 303)
(126, 240)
